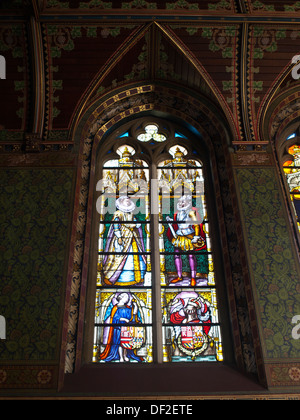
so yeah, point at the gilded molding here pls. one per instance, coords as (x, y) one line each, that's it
(39, 78)
(252, 159)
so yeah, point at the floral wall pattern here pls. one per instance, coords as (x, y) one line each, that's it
(272, 261)
(34, 225)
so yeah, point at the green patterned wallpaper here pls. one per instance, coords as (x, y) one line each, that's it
(274, 267)
(34, 226)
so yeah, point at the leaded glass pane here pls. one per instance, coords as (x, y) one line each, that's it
(151, 133)
(191, 326)
(129, 299)
(191, 329)
(123, 331)
(123, 317)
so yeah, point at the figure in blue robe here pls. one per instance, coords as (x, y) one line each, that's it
(120, 313)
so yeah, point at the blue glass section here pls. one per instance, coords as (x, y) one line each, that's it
(179, 135)
(124, 135)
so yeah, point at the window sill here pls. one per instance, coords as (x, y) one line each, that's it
(159, 380)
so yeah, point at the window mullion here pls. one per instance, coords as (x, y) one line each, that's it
(156, 272)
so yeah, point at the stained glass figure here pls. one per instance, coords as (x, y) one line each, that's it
(186, 233)
(185, 292)
(292, 171)
(121, 333)
(125, 261)
(184, 242)
(191, 328)
(124, 231)
(191, 331)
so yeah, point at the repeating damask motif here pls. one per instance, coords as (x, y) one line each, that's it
(34, 222)
(273, 264)
(143, 4)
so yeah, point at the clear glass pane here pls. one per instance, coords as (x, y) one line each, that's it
(151, 133)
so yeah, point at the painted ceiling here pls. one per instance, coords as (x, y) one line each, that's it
(63, 55)
(211, 5)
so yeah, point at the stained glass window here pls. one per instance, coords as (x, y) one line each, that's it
(123, 321)
(129, 296)
(292, 171)
(191, 330)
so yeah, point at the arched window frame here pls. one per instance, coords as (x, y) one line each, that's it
(154, 154)
(243, 353)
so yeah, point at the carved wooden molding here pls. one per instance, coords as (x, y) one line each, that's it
(252, 159)
(32, 143)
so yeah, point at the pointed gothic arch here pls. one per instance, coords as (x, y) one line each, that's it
(279, 125)
(148, 69)
(208, 124)
(277, 104)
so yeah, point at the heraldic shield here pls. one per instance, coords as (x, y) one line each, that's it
(132, 337)
(192, 340)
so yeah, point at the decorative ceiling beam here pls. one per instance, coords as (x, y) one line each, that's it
(38, 78)
(142, 16)
(163, 16)
(36, 9)
(244, 82)
(243, 5)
